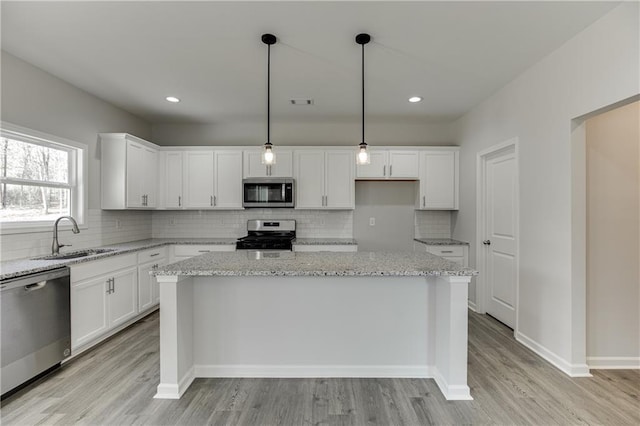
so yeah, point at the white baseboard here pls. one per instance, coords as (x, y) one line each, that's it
(472, 305)
(572, 370)
(614, 362)
(451, 392)
(173, 391)
(309, 371)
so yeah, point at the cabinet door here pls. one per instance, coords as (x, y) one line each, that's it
(377, 168)
(253, 166)
(309, 179)
(284, 164)
(150, 178)
(89, 314)
(145, 287)
(228, 180)
(403, 164)
(135, 174)
(123, 303)
(438, 180)
(339, 181)
(173, 179)
(198, 175)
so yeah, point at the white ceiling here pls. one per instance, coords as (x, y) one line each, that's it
(209, 54)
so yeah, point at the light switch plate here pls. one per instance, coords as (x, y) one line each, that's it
(372, 221)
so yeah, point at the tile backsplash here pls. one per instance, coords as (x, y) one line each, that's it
(433, 224)
(111, 227)
(233, 223)
(105, 227)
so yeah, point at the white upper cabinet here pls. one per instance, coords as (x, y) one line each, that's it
(129, 172)
(253, 166)
(213, 179)
(228, 180)
(324, 179)
(198, 179)
(438, 180)
(390, 164)
(172, 179)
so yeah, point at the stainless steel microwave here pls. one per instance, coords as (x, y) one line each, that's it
(268, 192)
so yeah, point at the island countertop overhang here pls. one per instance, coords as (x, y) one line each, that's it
(300, 264)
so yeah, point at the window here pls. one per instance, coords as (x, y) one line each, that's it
(40, 179)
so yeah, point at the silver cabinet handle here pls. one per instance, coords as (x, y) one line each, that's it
(211, 201)
(179, 201)
(326, 201)
(204, 251)
(113, 285)
(154, 254)
(215, 200)
(446, 251)
(487, 242)
(424, 202)
(391, 170)
(109, 286)
(384, 170)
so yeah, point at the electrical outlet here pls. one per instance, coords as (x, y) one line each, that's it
(172, 221)
(118, 224)
(372, 221)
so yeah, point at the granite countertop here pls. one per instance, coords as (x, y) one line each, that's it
(440, 242)
(18, 267)
(315, 264)
(325, 241)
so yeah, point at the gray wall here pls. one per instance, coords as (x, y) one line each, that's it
(392, 205)
(37, 100)
(613, 243)
(337, 132)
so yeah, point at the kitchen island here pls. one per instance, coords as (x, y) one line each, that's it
(356, 314)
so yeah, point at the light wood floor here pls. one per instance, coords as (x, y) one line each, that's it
(115, 383)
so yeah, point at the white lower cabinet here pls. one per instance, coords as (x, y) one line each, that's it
(103, 296)
(148, 290)
(325, 247)
(454, 253)
(186, 251)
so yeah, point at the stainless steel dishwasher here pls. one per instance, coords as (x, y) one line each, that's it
(35, 325)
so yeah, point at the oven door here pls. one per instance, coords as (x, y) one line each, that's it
(267, 193)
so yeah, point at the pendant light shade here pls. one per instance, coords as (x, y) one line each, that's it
(363, 156)
(268, 157)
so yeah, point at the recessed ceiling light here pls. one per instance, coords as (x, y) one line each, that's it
(172, 99)
(415, 99)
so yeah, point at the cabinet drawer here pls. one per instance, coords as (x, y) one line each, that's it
(155, 254)
(99, 267)
(198, 249)
(446, 251)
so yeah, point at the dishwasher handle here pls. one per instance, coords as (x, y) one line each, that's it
(36, 286)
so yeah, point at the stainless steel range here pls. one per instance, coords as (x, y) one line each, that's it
(268, 235)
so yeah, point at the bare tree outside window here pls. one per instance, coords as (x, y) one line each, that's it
(35, 182)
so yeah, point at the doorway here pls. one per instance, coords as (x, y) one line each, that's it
(497, 250)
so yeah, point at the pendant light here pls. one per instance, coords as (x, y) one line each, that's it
(363, 156)
(268, 157)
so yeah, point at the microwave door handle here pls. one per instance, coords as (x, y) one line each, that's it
(283, 193)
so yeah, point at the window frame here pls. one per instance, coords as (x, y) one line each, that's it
(78, 178)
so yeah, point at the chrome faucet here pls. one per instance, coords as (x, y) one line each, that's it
(55, 247)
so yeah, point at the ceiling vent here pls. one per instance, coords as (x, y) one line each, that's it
(301, 101)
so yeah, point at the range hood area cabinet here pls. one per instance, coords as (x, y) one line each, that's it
(390, 164)
(325, 179)
(253, 167)
(438, 187)
(129, 172)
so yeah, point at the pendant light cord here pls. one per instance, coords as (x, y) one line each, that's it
(363, 93)
(268, 93)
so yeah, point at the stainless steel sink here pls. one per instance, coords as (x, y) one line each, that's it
(73, 254)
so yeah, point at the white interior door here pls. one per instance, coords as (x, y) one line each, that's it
(500, 242)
